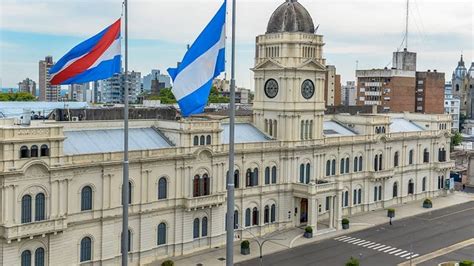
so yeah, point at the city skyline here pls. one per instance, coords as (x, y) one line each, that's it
(439, 33)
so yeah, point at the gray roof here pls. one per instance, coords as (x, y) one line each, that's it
(244, 133)
(334, 129)
(111, 140)
(403, 125)
(290, 16)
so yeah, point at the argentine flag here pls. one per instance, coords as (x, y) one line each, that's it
(204, 61)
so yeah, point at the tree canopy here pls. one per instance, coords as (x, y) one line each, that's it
(17, 97)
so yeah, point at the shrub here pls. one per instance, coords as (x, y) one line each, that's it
(391, 210)
(345, 221)
(427, 201)
(167, 263)
(352, 262)
(466, 263)
(245, 244)
(308, 229)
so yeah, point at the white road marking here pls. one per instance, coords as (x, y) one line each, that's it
(400, 253)
(364, 243)
(395, 251)
(374, 245)
(342, 237)
(356, 241)
(387, 247)
(403, 256)
(379, 248)
(388, 250)
(367, 244)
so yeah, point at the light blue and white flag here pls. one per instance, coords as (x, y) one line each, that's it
(204, 61)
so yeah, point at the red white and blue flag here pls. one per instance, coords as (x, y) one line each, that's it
(94, 59)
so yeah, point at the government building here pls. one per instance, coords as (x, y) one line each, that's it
(295, 166)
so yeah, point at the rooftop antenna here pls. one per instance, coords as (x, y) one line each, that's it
(406, 25)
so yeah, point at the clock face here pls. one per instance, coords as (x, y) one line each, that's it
(307, 89)
(271, 88)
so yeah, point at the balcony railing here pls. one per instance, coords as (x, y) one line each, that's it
(375, 175)
(204, 201)
(313, 189)
(34, 229)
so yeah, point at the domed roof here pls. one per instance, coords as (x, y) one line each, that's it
(460, 70)
(290, 16)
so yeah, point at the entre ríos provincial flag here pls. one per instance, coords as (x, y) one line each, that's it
(204, 61)
(94, 59)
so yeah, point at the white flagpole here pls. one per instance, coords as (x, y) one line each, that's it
(230, 176)
(125, 180)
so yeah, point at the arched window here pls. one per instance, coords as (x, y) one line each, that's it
(395, 159)
(26, 209)
(236, 219)
(346, 198)
(208, 140)
(426, 156)
(206, 184)
(202, 140)
(410, 157)
(380, 192)
(354, 197)
(162, 188)
(44, 150)
(236, 178)
(196, 228)
(333, 166)
(86, 249)
(86, 198)
(308, 172)
(39, 257)
(161, 234)
(380, 162)
(26, 258)
(196, 141)
(255, 177)
(342, 166)
(395, 190)
(442, 181)
(302, 130)
(196, 186)
(40, 207)
(423, 184)
(360, 163)
(274, 175)
(347, 165)
(411, 187)
(359, 198)
(266, 215)
(270, 126)
(375, 193)
(328, 168)
(255, 216)
(273, 213)
(376, 163)
(356, 163)
(34, 151)
(24, 152)
(267, 175)
(204, 226)
(247, 217)
(248, 178)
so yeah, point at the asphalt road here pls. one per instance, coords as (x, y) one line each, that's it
(420, 234)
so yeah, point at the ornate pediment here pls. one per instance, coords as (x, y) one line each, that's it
(268, 64)
(312, 65)
(36, 171)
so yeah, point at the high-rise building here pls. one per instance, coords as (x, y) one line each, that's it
(349, 94)
(332, 87)
(27, 85)
(77, 92)
(113, 88)
(452, 106)
(430, 89)
(47, 92)
(162, 78)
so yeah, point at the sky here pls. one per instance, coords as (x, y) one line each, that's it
(357, 33)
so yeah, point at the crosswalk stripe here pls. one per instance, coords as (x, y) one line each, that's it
(379, 248)
(363, 243)
(395, 251)
(341, 237)
(357, 241)
(367, 244)
(414, 255)
(390, 249)
(403, 256)
(374, 245)
(347, 239)
(387, 247)
(400, 253)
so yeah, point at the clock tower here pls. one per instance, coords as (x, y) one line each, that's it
(289, 76)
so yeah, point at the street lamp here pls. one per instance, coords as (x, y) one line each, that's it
(260, 243)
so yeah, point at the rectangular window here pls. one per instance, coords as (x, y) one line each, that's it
(328, 199)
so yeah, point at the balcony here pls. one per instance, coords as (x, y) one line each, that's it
(204, 201)
(383, 174)
(305, 190)
(443, 165)
(33, 229)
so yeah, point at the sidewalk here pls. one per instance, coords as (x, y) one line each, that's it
(294, 236)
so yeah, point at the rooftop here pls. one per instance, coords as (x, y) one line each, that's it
(244, 133)
(403, 125)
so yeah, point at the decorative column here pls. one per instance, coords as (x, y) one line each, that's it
(338, 211)
(331, 212)
(313, 213)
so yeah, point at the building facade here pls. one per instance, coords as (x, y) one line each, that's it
(452, 106)
(112, 90)
(349, 94)
(463, 87)
(332, 89)
(27, 85)
(47, 92)
(430, 90)
(165, 80)
(295, 166)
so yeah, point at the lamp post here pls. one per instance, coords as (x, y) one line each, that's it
(260, 243)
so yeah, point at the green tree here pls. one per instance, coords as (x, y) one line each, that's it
(17, 97)
(166, 96)
(456, 139)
